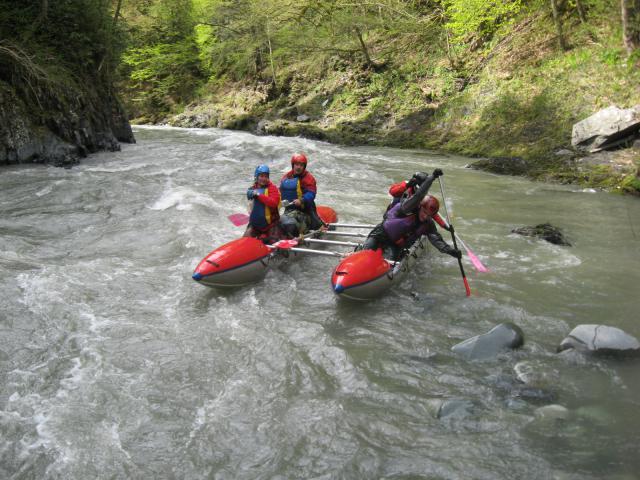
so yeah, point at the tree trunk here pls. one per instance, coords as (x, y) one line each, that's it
(273, 68)
(558, 23)
(117, 12)
(581, 12)
(630, 25)
(363, 46)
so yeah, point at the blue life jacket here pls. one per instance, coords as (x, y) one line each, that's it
(260, 214)
(290, 189)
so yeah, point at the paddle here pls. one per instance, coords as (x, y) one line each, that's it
(472, 256)
(453, 237)
(284, 244)
(239, 219)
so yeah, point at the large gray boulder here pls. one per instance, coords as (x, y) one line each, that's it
(500, 338)
(600, 339)
(607, 128)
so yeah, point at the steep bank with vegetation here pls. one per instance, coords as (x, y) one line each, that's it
(490, 79)
(57, 101)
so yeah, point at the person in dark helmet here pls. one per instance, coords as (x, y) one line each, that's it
(264, 217)
(298, 190)
(407, 221)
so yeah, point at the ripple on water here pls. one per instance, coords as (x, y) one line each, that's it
(118, 365)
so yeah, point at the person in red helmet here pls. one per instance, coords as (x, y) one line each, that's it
(298, 190)
(264, 217)
(407, 221)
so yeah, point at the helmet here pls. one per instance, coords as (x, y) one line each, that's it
(261, 169)
(299, 158)
(431, 204)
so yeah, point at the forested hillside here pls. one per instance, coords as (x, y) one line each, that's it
(501, 79)
(496, 79)
(57, 64)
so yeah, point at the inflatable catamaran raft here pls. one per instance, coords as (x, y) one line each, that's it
(361, 275)
(246, 260)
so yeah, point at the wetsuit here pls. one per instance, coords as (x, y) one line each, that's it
(402, 226)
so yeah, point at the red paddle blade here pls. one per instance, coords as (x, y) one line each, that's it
(284, 244)
(466, 286)
(239, 219)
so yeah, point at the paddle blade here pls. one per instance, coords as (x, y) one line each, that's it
(239, 219)
(285, 244)
(476, 261)
(472, 257)
(466, 286)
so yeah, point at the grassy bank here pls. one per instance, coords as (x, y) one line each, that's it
(515, 95)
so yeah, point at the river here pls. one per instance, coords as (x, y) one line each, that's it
(115, 364)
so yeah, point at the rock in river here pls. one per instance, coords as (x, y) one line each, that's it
(500, 338)
(546, 231)
(451, 408)
(552, 412)
(600, 339)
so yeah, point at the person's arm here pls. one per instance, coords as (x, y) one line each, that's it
(440, 221)
(437, 241)
(272, 199)
(410, 204)
(309, 189)
(251, 192)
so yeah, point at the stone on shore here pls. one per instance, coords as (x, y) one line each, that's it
(502, 165)
(607, 128)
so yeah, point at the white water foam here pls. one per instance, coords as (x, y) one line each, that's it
(122, 168)
(183, 198)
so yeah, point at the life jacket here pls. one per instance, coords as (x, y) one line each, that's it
(399, 191)
(302, 187)
(262, 216)
(290, 189)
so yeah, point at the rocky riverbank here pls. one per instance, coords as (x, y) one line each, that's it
(614, 170)
(61, 127)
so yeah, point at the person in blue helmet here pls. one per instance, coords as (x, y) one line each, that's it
(264, 217)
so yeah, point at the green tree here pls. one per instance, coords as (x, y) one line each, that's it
(478, 19)
(162, 66)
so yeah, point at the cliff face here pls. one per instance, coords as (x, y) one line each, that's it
(59, 130)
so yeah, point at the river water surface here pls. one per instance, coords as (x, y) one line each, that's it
(115, 364)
